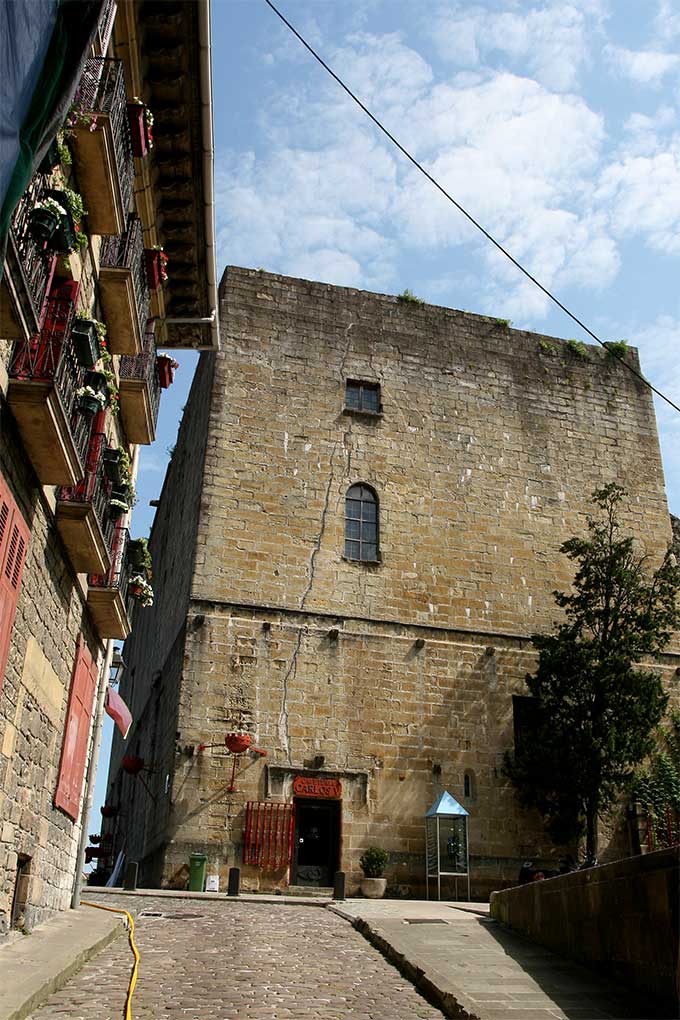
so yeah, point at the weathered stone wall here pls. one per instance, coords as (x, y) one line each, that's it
(623, 919)
(155, 649)
(33, 700)
(488, 448)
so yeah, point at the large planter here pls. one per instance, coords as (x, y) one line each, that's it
(113, 465)
(85, 342)
(89, 405)
(132, 764)
(237, 743)
(166, 370)
(43, 225)
(139, 130)
(373, 888)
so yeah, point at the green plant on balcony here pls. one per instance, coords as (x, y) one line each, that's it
(85, 336)
(139, 556)
(45, 220)
(90, 400)
(141, 590)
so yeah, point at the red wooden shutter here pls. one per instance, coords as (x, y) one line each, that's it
(268, 834)
(76, 732)
(14, 535)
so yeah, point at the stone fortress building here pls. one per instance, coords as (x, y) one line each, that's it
(358, 533)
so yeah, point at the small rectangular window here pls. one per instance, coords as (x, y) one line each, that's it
(362, 396)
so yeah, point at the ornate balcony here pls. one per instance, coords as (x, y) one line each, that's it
(29, 267)
(140, 393)
(44, 380)
(124, 289)
(84, 520)
(102, 148)
(107, 593)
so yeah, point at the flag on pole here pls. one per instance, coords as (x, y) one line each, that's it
(118, 710)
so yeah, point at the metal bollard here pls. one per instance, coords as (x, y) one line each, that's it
(339, 885)
(234, 881)
(130, 876)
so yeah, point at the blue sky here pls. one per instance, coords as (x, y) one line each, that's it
(555, 124)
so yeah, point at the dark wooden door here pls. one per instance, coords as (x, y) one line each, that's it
(316, 842)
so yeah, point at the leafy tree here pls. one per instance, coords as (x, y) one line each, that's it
(594, 712)
(657, 786)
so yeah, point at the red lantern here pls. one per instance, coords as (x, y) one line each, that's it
(237, 743)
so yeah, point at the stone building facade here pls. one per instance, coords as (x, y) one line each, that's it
(64, 564)
(369, 681)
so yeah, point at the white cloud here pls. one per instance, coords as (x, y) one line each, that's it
(643, 194)
(551, 41)
(646, 67)
(332, 200)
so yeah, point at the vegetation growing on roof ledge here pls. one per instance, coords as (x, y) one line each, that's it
(407, 297)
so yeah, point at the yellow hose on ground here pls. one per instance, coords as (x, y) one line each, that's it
(133, 947)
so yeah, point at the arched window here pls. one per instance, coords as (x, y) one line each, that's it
(361, 524)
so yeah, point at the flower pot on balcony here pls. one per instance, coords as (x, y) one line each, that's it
(97, 381)
(140, 129)
(43, 224)
(155, 260)
(166, 370)
(138, 556)
(64, 237)
(85, 342)
(88, 404)
(113, 465)
(118, 504)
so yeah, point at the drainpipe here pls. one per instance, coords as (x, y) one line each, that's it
(205, 73)
(96, 739)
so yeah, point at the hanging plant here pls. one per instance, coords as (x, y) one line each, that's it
(90, 401)
(85, 337)
(141, 590)
(45, 219)
(139, 556)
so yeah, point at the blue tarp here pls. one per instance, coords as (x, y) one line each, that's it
(446, 805)
(25, 31)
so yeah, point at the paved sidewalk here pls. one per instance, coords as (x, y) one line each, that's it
(32, 966)
(474, 969)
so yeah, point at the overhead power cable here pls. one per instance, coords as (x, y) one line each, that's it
(464, 211)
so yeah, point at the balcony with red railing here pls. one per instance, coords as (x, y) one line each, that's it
(43, 394)
(107, 593)
(84, 519)
(140, 393)
(102, 149)
(28, 271)
(124, 289)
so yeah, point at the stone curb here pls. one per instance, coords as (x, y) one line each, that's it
(22, 993)
(452, 1003)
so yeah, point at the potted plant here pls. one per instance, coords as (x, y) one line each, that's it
(139, 556)
(140, 119)
(98, 381)
(119, 501)
(90, 401)
(141, 590)
(166, 369)
(373, 863)
(156, 261)
(85, 336)
(113, 465)
(45, 219)
(68, 236)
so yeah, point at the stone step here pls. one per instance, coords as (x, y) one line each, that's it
(310, 890)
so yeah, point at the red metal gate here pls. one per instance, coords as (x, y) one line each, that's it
(268, 834)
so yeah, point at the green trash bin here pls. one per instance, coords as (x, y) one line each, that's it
(197, 866)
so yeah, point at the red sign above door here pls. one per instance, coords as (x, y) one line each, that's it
(317, 786)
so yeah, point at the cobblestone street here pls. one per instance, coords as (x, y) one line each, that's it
(204, 961)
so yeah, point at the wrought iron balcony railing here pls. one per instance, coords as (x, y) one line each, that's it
(36, 262)
(101, 90)
(95, 489)
(50, 357)
(118, 575)
(105, 26)
(144, 367)
(126, 251)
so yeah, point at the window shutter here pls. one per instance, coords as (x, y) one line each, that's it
(14, 535)
(76, 732)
